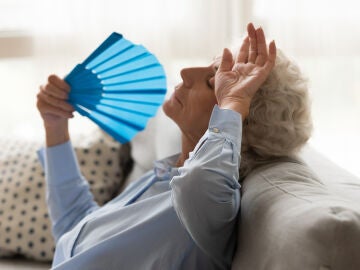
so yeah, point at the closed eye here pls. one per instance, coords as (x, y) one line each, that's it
(211, 82)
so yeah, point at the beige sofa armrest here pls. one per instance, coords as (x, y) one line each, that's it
(293, 218)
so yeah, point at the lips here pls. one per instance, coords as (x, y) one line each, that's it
(176, 94)
(177, 99)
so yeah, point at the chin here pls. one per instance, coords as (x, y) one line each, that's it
(167, 107)
(169, 110)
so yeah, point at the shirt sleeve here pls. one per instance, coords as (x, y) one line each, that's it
(68, 195)
(206, 194)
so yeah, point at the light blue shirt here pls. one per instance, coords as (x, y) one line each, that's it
(171, 218)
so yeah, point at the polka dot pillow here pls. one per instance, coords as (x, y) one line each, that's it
(25, 227)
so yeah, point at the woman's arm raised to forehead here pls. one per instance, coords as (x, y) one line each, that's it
(206, 194)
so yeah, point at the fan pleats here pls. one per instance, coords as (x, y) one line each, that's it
(119, 87)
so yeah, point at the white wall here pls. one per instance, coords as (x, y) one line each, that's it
(321, 35)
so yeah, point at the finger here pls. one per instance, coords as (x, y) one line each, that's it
(244, 51)
(60, 83)
(54, 91)
(55, 102)
(261, 47)
(48, 109)
(270, 62)
(253, 44)
(226, 61)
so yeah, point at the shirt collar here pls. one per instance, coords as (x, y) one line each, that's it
(165, 169)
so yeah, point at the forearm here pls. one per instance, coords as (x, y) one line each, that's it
(68, 205)
(206, 194)
(68, 194)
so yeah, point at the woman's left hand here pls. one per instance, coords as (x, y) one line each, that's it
(237, 82)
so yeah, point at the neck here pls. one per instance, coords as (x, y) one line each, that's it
(188, 144)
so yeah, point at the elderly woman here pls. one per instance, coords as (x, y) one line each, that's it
(182, 214)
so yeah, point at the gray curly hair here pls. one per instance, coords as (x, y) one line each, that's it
(279, 121)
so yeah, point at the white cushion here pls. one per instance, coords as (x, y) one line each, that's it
(24, 222)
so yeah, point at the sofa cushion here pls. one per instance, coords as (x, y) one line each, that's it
(292, 219)
(25, 227)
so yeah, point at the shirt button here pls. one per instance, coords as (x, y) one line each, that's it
(216, 130)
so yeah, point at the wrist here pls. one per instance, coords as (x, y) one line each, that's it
(56, 135)
(237, 107)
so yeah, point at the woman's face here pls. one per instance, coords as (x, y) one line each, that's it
(191, 103)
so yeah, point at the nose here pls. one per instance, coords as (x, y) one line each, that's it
(193, 74)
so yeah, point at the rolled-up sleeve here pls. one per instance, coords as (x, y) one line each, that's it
(206, 194)
(68, 195)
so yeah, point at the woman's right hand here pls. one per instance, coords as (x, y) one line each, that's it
(55, 110)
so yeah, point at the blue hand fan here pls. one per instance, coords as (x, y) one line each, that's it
(119, 87)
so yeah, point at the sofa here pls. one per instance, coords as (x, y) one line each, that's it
(299, 213)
